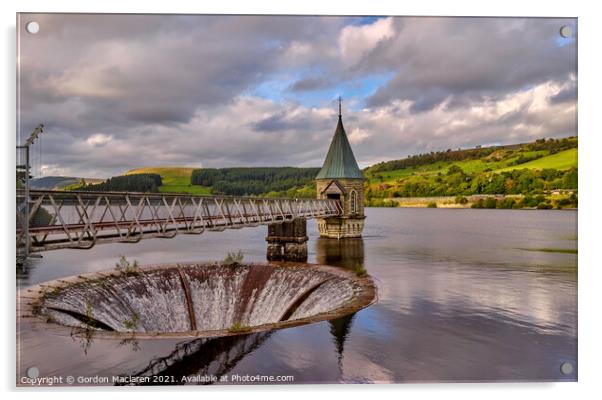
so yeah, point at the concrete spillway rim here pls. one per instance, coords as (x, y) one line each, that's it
(28, 299)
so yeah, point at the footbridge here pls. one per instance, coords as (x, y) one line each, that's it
(48, 220)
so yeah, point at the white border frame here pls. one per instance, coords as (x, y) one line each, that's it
(589, 194)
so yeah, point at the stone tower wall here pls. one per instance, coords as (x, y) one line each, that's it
(350, 224)
(349, 185)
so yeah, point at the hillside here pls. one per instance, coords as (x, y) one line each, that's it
(480, 158)
(175, 179)
(266, 181)
(540, 167)
(58, 182)
(561, 161)
(544, 167)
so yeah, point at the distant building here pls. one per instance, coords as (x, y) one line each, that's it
(340, 178)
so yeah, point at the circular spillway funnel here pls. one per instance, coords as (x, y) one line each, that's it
(196, 299)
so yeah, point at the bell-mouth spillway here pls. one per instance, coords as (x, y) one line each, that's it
(196, 299)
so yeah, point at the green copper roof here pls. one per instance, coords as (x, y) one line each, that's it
(340, 162)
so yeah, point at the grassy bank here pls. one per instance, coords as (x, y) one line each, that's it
(558, 200)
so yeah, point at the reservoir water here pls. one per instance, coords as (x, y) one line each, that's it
(463, 295)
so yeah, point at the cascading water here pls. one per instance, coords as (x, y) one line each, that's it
(201, 299)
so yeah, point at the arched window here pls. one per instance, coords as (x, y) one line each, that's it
(353, 202)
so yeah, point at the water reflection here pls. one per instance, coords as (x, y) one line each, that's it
(345, 253)
(458, 300)
(202, 358)
(340, 329)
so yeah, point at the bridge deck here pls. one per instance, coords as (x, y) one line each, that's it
(60, 219)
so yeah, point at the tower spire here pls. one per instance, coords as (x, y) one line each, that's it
(340, 101)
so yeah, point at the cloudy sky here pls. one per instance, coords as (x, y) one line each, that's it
(117, 92)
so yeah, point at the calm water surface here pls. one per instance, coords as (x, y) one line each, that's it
(464, 295)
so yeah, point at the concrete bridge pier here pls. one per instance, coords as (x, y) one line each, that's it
(287, 241)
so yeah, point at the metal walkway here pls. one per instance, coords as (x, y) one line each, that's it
(62, 219)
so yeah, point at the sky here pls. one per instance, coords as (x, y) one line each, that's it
(117, 92)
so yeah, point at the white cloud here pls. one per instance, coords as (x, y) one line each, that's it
(98, 139)
(356, 41)
(516, 117)
(358, 135)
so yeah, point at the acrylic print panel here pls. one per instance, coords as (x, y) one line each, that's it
(349, 199)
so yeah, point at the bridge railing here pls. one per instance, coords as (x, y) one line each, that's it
(63, 219)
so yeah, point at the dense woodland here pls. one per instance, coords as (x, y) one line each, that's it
(253, 181)
(126, 183)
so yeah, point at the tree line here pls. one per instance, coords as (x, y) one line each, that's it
(126, 183)
(457, 182)
(253, 181)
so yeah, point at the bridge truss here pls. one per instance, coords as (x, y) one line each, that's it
(64, 219)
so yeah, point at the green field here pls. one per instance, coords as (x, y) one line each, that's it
(175, 179)
(562, 161)
(545, 166)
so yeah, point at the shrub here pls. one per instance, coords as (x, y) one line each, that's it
(490, 202)
(461, 200)
(529, 201)
(506, 203)
(454, 169)
(518, 204)
(237, 327)
(127, 268)
(360, 271)
(564, 201)
(478, 204)
(524, 159)
(570, 178)
(233, 258)
(432, 204)
(544, 206)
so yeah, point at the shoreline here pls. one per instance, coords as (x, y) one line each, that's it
(449, 202)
